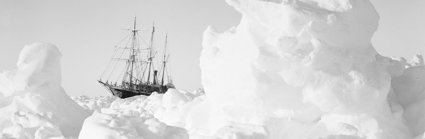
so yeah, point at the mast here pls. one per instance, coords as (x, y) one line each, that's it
(150, 53)
(164, 61)
(132, 57)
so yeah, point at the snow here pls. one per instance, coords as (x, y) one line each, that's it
(132, 118)
(307, 65)
(292, 69)
(33, 103)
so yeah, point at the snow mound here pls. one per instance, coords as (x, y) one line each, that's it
(409, 92)
(103, 126)
(159, 116)
(32, 102)
(305, 69)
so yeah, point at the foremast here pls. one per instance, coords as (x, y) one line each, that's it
(132, 58)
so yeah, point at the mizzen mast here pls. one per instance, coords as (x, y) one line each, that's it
(164, 60)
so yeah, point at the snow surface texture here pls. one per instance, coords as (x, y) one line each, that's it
(32, 102)
(306, 69)
(159, 116)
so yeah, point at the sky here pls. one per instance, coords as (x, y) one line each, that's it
(86, 31)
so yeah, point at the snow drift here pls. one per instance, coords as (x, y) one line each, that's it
(159, 116)
(32, 102)
(298, 69)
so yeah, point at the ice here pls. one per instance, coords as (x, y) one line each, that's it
(33, 103)
(133, 118)
(306, 66)
(410, 93)
(173, 98)
(418, 60)
(95, 103)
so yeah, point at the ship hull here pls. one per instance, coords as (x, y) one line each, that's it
(145, 90)
(121, 93)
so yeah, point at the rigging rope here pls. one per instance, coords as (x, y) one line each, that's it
(114, 53)
(116, 62)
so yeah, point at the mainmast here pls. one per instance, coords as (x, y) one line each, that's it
(164, 60)
(150, 53)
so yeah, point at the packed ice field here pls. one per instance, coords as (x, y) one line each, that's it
(292, 69)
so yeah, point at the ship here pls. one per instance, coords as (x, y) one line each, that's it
(131, 70)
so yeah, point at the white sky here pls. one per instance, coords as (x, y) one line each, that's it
(86, 30)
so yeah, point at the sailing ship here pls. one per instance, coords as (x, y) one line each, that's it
(134, 58)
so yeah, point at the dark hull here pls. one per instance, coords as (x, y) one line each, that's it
(145, 90)
(121, 93)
